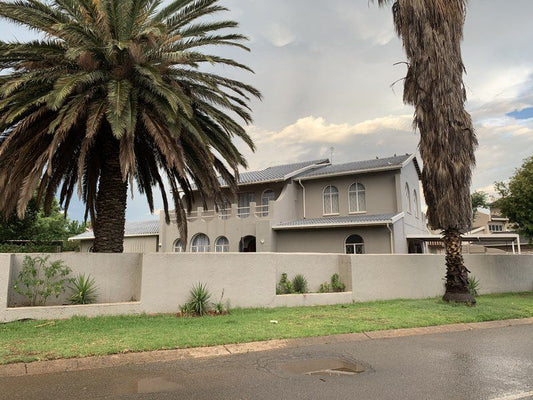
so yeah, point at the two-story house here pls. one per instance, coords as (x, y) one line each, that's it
(359, 207)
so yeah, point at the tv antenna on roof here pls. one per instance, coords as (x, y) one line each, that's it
(331, 154)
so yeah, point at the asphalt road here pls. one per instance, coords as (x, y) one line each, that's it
(481, 364)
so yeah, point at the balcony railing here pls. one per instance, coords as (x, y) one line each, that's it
(259, 211)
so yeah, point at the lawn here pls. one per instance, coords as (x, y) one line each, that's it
(77, 337)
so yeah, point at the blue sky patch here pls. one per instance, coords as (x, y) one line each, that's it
(522, 114)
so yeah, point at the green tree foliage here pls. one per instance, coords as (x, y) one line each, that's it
(516, 201)
(118, 91)
(479, 200)
(40, 228)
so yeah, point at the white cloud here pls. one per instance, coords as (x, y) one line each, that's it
(318, 130)
(279, 35)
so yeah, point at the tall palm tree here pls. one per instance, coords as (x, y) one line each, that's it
(117, 92)
(431, 32)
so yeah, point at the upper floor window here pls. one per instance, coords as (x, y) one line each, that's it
(331, 200)
(222, 245)
(268, 195)
(244, 204)
(408, 198)
(415, 203)
(200, 243)
(354, 245)
(178, 246)
(495, 228)
(357, 198)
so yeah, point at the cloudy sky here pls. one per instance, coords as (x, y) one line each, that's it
(326, 68)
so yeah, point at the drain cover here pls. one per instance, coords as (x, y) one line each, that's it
(325, 366)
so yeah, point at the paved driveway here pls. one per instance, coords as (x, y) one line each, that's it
(481, 364)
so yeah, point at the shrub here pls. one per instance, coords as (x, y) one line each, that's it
(221, 308)
(324, 288)
(284, 285)
(299, 284)
(198, 303)
(83, 290)
(473, 286)
(335, 286)
(40, 279)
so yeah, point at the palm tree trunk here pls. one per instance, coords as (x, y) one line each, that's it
(456, 272)
(110, 200)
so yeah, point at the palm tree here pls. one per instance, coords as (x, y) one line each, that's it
(431, 32)
(118, 91)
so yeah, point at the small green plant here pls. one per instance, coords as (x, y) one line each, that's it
(325, 288)
(335, 286)
(39, 279)
(221, 308)
(473, 286)
(198, 303)
(83, 290)
(299, 284)
(284, 285)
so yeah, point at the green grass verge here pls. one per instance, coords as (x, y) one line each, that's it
(78, 337)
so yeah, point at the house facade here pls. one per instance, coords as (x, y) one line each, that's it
(361, 207)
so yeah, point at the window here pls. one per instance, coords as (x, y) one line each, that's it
(178, 246)
(415, 203)
(222, 245)
(244, 204)
(354, 245)
(200, 244)
(331, 200)
(356, 196)
(495, 228)
(408, 198)
(267, 196)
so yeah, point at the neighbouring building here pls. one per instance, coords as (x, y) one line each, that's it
(369, 206)
(139, 237)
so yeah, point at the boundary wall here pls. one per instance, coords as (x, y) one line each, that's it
(160, 282)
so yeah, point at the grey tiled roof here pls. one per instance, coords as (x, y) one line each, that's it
(355, 166)
(130, 229)
(274, 173)
(334, 221)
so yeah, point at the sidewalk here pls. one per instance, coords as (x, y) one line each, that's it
(95, 362)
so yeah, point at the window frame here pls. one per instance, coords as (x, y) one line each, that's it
(225, 247)
(408, 198)
(331, 196)
(355, 245)
(174, 246)
(357, 192)
(204, 248)
(415, 204)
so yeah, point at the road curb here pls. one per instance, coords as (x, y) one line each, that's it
(96, 362)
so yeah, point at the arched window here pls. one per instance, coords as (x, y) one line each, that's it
(177, 246)
(331, 200)
(222, 245)
(415, 203)
(354, 245)
(267, 196)
(408, 198)
(200, 243)
(357, 199)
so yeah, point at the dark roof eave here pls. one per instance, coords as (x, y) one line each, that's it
(351, 172)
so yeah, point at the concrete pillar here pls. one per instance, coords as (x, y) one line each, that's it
(5, 272)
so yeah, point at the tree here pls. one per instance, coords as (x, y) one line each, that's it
(516, 201)
(431, 32)
(478, 199)
(119, 90)
(39, 228)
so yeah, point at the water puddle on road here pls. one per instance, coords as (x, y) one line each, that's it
(324, 367)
